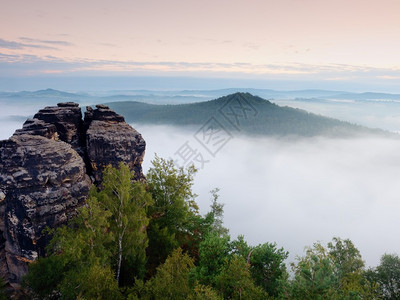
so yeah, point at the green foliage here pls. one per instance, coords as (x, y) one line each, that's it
(204, 292)
(127, 203)
(76, 254)
(213, 251)
(267, 267)
(172, 193)
(216, 215)
(240, 247)
(235, 281)
(102, 253)
(45, 275)
(346, 256)
(314, 276)
(348, 268)
(173, 210)
(387, 277)
(333, 273)
(140, 290)
(109, 231)
(266, 264)
(170, 282)
(198, 227)
(88, 236)
(94, 281)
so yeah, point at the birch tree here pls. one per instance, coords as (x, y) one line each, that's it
(127, 202)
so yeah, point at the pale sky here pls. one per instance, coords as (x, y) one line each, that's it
(335, 40)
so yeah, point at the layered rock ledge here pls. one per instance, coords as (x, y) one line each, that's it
(46, 170)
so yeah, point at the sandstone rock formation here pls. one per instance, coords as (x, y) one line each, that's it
(110, 140)
(46, 170)
(63, 122)
(43, 182)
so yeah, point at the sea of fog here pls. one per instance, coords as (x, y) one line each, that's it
(290, 191)
(298, 191)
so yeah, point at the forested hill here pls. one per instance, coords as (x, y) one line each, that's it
(242, 112)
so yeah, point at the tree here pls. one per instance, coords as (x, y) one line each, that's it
(198, 227)
(266, 264)
(314, 276)
(202, 292)
(172, 278)
(94, 281)
(333, 273)
(216, 214)
(235, 281)
(173, 208)
(127, 201)
(346, 256)
(45, 276)
(78, 257)
(267, 267)
(86, 257)
(213, 251)
(387, 276)
(241, 248)
(349, 268)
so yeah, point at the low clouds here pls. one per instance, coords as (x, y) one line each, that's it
(297, 192)
(49, 42)
(23, 46)
(10, 44)
(13, 45)
(25, 43)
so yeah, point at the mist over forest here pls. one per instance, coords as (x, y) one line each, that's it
(292, 191)
(298, 191)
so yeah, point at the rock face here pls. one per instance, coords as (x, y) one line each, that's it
(45, 181)
(45, 171)
(109, 140)
(65, 119)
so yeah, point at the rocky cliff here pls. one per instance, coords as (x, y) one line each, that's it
(109, 140)
(46, 170)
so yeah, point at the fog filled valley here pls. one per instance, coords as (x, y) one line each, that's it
(298, 191)
(290, 190)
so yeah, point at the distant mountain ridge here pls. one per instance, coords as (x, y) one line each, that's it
(190, 96)
(242, 112)
(44, 93)
(366, 96)
(320, 101)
